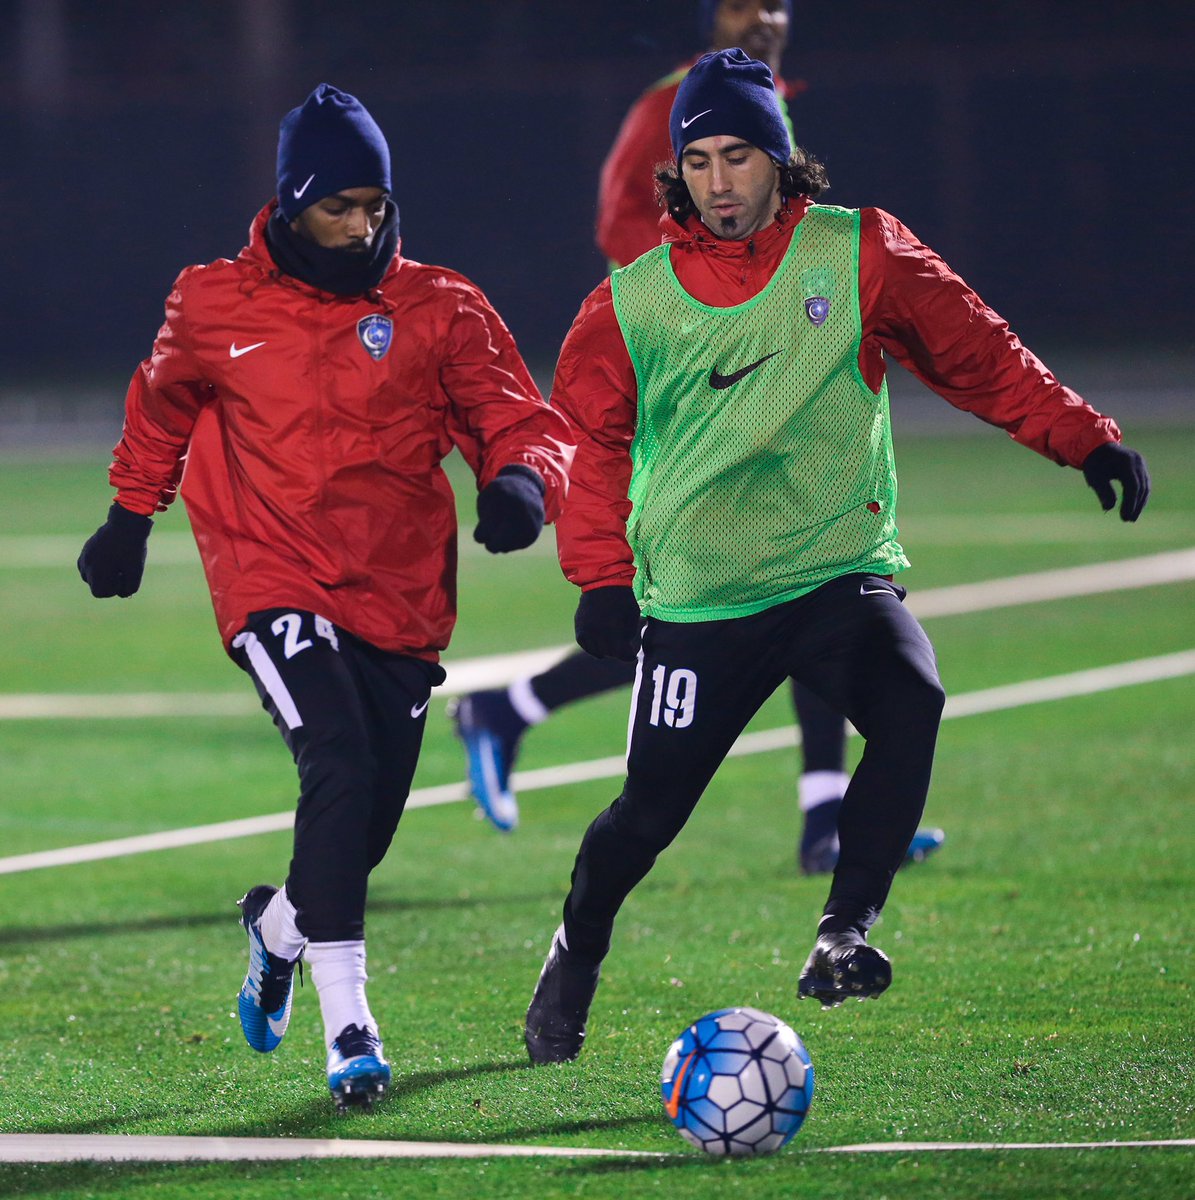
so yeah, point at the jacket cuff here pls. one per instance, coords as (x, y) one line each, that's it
(528, 472)
(129, 522)
(629, 582)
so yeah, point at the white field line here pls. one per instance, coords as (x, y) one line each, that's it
(1033, 691)
(33, 551)
(467, 675)
(1174, 566)
(915, 1147)
(173, 548)
(168, 548)
(100, 1147)
(54, 706)
(496, 670)
(72, 1147)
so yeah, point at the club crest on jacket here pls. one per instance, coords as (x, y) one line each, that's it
(375, 332)
(817, 309)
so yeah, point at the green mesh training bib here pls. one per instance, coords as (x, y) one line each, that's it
(762, 463)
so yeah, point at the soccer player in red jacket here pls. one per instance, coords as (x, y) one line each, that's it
(306, 393)
(731, 515)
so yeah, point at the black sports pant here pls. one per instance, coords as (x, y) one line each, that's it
(823, 736)
(353, 717)
(854, 644)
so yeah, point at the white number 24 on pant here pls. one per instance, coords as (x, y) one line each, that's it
(675, 693)
(290, 625)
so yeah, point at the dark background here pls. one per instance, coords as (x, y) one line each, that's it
(1044, 149)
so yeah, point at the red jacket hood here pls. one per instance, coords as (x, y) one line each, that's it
(257, 255)
(694, 235)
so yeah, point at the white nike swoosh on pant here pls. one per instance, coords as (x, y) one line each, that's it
(417, 709)
(864, 590)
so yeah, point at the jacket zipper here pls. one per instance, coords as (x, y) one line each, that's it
(318, 374)
(750, 263)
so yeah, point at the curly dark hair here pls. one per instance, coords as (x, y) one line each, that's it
(802, 175)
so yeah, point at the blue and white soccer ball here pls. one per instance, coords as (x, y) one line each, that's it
(737, 1081)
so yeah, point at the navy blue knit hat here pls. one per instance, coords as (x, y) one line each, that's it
(328, 143)
(707, 12)
(727, 93)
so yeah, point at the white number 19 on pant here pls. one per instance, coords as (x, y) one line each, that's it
(678, 699)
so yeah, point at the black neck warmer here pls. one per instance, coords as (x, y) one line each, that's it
(341, 272)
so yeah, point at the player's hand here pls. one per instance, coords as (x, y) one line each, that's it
(113, 558)
(607, 623)
(510, 510)
(1112, 461)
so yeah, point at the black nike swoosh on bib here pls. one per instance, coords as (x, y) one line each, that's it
(725, 381)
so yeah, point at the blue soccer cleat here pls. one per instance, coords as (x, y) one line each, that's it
(490, 729)
(358, 1075)
(924, 843)
(265, 999)
(817, 852)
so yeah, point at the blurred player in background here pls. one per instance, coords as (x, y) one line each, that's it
(628, 217)
(491, 723)
(312, 387)
(731, 516)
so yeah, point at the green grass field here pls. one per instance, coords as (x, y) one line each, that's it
(1043, 960)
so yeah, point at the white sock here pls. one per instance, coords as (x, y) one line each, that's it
(278, 929)
(525, 702)
(816, 787)
(338, 972)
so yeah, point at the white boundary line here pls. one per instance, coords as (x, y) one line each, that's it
(497, 670)
(73, 1147)
(175, 549)
(1148, 570)
(914, 1147)
(98, 1147)
(1015, 695)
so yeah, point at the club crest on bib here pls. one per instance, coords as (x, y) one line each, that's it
(375, 332)
(817, 309)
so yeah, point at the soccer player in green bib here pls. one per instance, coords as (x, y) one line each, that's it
(731, 519)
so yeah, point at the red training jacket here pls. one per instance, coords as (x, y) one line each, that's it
(913, 307)
(312, 468)
(629, 215)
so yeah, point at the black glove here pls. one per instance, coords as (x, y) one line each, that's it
(607, 622)
(510, 510)
(1114, 461)
(113, 558)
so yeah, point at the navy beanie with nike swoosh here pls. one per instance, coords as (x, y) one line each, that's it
(727, 93)
(330, 142)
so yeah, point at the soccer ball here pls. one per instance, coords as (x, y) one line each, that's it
(737, 1081)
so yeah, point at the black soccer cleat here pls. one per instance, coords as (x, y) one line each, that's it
(842, 966)
(556, 1018)
(817, 852)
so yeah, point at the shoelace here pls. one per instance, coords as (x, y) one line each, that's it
(355, 1041)
(276, 980)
